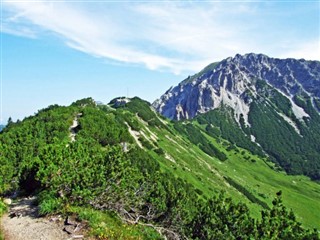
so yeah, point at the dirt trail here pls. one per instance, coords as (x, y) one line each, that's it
(22, 223)
(73, 127)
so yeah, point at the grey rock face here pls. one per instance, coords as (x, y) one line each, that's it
(232, 82)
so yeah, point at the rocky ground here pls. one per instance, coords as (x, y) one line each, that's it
(22, 222)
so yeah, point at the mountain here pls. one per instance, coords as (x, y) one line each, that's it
(2, 127)
(267, 105)
(235, 82)
(129, 173)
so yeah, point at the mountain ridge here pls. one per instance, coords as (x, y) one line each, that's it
(233, 75)
(272, 101)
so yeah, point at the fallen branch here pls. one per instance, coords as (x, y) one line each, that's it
(164, 232)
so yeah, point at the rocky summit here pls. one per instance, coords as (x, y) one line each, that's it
(235, 82)
(266, 105)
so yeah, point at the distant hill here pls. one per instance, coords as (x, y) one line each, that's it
(131, 173)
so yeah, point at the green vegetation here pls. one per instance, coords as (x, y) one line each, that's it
(296, 151)
(107, 225)
(206, 71)
(172, 185)
(235, 222)
(317, 103)
(293, 145)
(220, 123)
(3, 209)
(142, 109)
(197, 138)
(247, 193)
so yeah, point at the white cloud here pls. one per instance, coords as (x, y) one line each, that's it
(175, 36)
(18, 31)
(308, 51)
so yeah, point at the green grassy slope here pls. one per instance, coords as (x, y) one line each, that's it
(257, 176)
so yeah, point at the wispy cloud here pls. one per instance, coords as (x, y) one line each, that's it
(175, 36)
(306, 50)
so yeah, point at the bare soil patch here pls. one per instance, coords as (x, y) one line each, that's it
(23, 222)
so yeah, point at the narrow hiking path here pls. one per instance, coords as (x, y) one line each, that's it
(73, 127)
(22, 222)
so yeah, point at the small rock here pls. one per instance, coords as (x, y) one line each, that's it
(55, 219)
(77, 228)
(69, 229)
(69, 221)
(15, 214)
(7, 201)
(61, 193)
(77, 236)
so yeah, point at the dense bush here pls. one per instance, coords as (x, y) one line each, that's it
(222, 123)
(295, 154)
(104, 128)
(196, 137)
(245, 192)
(95, 172)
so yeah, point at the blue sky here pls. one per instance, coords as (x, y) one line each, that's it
(61, 51)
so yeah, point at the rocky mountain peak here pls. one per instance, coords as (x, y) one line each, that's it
(235, 81)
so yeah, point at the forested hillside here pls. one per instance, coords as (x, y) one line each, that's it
(134, 175)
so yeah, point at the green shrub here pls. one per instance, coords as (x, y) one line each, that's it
(245, 192)
(3, 207)
(159, 151)
(48, 203)
(145, 143)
